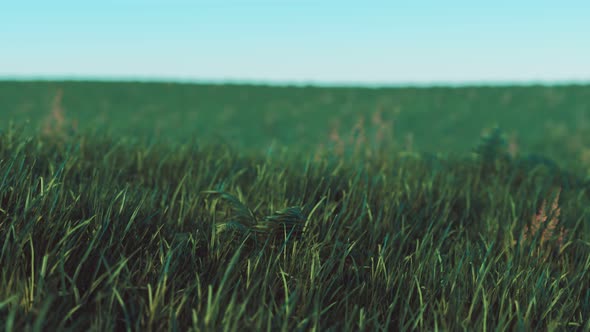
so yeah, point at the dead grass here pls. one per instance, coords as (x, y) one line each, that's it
(545, 228)
(364, 139)
(55, 125)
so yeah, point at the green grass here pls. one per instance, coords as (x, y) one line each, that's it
(548, 120)
(108, 230)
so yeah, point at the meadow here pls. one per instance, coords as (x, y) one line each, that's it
(156, 206)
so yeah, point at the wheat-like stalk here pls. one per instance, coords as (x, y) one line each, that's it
(56, 126)
(361, 139)
(54, 122)
(545, 226)
(337, 142)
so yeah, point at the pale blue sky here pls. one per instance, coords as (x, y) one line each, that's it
(298, 41)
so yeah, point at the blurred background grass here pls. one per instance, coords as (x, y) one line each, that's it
(550, 120)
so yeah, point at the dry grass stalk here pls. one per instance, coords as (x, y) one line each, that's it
(409, 144)
(358, 137)
(337, 141)
(513, 146)
(54, 126)
(545, 224)
(319, 153)
(383, 128)
(357, 141)
(55, 121)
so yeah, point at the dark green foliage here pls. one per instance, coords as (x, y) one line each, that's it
(240, 214)
(492, 147)
(289, 221)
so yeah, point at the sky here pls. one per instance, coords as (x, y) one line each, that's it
(323, 42)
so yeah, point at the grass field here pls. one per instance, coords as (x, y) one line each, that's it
(135, 206)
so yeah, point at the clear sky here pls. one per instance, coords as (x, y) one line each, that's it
(298, 41)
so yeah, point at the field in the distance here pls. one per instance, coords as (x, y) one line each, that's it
(207, 207)
(552, 121)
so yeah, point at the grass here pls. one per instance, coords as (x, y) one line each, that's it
(547, 120)
(113, 232)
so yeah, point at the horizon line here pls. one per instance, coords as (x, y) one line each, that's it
(294, 83)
